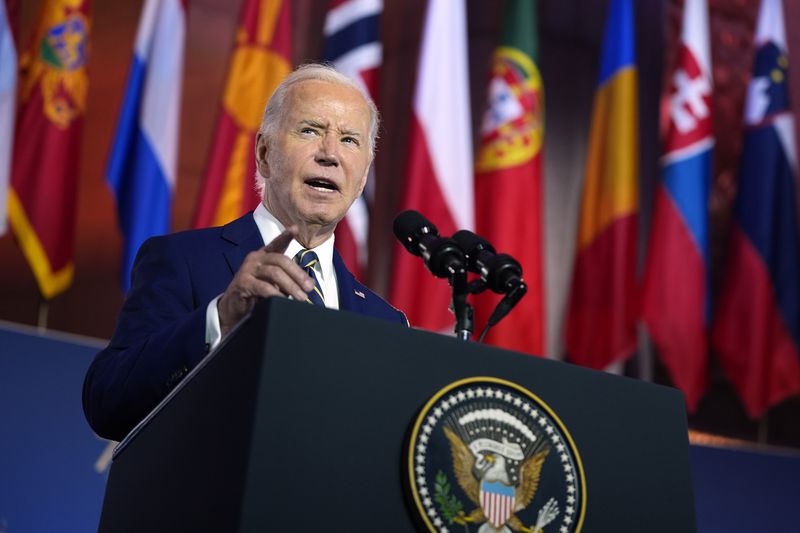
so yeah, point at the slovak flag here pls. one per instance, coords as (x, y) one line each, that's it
(353, 47)
(675, 293)
(757, 320)
(142, 166)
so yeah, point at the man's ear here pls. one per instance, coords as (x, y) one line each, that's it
(364, 180)
(262, 150)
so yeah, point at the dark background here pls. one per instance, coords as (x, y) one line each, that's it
(570, 37)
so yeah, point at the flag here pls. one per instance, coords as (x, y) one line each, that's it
(44, 166)
(756, 329)
(353, 47)
(261, 58)
(601, 318)
(438, 178)
(143, 161)
(675, 291)
(509, 211)
(8, 102)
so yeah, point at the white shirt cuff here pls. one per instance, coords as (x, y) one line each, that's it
(213, 329)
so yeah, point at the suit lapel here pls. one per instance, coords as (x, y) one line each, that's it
(348, 300)
(243, 234)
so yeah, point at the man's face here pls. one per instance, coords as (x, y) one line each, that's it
(316, 165)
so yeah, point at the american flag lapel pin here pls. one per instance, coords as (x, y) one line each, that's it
(359, 294)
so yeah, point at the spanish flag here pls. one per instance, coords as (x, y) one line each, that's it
(44, 176)
(508, 177)
(261, 59)
(601, 318)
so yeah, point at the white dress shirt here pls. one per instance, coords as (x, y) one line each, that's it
(270, 227)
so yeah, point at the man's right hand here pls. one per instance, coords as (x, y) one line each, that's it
(265, 272)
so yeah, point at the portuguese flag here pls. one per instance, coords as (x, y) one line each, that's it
(261, 58)
(44, 174)
(509, 210)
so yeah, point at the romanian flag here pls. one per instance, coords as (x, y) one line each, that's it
(439, 176)
(757, 320)
(44, 176)
(601, 319)
(261, 59)
(8, 104)
(509, 211)
(675, 293)
(352, 45)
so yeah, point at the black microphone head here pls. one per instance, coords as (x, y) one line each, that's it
(501, 272)
(409, 226)
(505, 273)
(471, 242)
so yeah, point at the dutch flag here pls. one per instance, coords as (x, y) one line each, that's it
(142, 166)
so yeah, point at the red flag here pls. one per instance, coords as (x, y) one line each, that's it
(44, 175)
(439, 174)
(261, 58)
(508, 180)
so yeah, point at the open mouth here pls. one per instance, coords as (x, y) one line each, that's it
(322, 184)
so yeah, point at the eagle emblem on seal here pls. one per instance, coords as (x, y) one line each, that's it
(487, 456)
(498, 477)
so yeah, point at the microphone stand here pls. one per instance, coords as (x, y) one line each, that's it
(461, 307)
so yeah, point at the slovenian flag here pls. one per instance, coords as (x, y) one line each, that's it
(353, 47)
(675, 293)
(757, 320)
(142, 166)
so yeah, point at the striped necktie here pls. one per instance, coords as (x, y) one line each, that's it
(307, 260)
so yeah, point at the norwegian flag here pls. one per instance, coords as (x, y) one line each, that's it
(353, 47)
(497, 502)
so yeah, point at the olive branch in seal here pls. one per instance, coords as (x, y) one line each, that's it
(449, 505)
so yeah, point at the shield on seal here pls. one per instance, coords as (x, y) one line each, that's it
(497, 501)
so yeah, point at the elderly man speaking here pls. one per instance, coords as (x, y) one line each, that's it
(313, 152)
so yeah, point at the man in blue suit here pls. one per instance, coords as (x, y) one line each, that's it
(188, 290)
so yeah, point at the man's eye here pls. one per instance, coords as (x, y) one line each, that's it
(350, 140)
(307, 130)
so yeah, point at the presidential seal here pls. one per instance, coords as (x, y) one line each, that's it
(488, 456)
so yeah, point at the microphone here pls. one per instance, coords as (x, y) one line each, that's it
(501, 272)
(419, 236)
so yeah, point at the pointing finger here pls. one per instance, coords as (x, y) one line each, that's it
(281, 242)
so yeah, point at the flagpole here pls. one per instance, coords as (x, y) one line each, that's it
(763, 430)
(44, 309)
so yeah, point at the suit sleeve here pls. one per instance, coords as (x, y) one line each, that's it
(160, 336)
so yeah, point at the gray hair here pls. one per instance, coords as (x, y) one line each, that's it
(276, 106)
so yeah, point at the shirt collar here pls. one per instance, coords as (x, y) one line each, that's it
(270, 227)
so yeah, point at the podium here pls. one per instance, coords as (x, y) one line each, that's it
(301, 419)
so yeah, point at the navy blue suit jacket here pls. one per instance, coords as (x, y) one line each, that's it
(160, 332)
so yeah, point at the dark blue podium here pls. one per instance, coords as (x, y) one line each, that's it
(300, 422)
